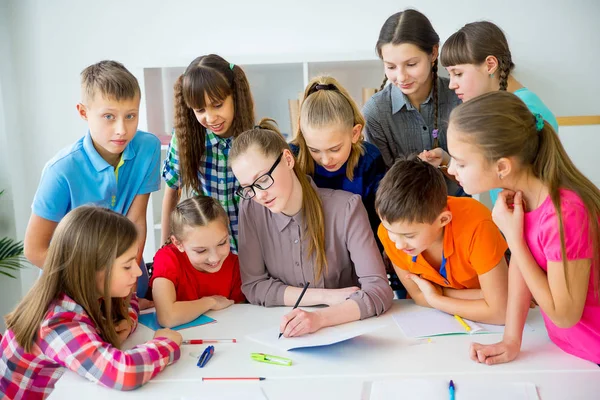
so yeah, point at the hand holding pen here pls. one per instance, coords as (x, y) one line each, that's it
(300, 322)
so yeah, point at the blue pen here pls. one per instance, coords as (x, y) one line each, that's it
(451, 390)
(206, 355)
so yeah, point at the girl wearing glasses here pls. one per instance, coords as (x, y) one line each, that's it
(293, 232)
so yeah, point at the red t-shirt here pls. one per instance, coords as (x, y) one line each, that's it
(191, 284)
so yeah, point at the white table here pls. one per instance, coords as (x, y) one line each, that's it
(347, 369)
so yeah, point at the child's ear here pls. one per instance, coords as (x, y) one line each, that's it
(356, 131)
(289, 159)
(503, 168)
(445, 218)
(491, 64)
(82, 111)
(177, 243)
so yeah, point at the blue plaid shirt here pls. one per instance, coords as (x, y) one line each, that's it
(215, 175)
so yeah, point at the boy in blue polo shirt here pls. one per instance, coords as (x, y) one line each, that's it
(114, 165)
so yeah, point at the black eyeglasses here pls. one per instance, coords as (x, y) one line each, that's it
(263, 182)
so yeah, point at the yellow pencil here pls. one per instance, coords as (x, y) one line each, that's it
(463, 323)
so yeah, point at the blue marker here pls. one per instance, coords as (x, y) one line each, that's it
(451, 390)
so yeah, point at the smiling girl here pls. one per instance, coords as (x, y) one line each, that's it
(409, 115)
(196, 272)
(213, 105)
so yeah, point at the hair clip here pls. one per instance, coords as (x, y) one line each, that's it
(329, 86)
(434, 134)
(231, 66)
(539, 122)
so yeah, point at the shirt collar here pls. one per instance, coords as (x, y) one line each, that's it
(99, 163)
(215, 140)
(282, 220)
(400, 100)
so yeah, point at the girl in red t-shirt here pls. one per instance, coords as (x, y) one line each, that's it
(195, 271)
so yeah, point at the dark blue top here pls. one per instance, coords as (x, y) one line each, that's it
(367, 174)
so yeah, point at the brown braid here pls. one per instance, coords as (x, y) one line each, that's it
(434, 89)
(383, 83)
(504, 68)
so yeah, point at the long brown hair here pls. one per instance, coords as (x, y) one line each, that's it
(411, 26)
(267, 139)
(501, 125)
(325, 103)
(473, 43)
(86, 242)
(207, 75)
(196, 211)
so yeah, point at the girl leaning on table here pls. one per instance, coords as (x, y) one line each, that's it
(79, 312)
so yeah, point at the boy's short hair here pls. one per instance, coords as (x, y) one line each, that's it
(110, 79)
(412, 191)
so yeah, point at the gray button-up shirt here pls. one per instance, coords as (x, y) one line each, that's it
(398, 129)
(273, 255)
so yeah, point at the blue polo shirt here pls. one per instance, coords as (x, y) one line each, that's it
(78, 176)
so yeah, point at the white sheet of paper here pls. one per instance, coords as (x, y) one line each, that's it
(433, 389)
(228, 391)
(322, 337)
(431, 322)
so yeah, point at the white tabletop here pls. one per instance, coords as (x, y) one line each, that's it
(349, 367)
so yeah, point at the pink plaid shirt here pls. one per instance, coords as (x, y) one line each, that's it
(68, 339)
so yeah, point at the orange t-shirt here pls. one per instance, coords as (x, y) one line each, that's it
(473, 245)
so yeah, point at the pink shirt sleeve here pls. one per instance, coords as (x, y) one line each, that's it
(576, 230)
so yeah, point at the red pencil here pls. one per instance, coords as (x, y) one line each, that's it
(234, 379)
(202, 341)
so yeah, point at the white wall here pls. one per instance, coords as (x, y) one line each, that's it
(10, 163)
(553, 42)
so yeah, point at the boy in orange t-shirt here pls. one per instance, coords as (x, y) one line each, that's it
(447, 251)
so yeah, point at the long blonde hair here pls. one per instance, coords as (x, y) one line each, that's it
(267, 139)
(501, 125)
(326, 103)
(86, 242)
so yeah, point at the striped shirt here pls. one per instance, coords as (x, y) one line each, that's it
(216, 177)
(68, 339)
(398, 129)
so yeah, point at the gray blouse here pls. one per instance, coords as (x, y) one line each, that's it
(273, 256)
(399, 130)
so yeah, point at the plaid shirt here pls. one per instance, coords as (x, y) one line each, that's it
(215, 174)
(68, 339)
